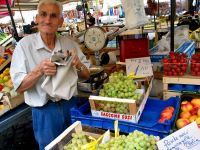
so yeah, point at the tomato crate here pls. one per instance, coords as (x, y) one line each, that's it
(133, 107)
(148, 122)
(156, 56)
(175, 69)
(195, 69)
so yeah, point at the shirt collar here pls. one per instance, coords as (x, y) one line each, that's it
(40, 44)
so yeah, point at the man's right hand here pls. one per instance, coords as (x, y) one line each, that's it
(48, 68)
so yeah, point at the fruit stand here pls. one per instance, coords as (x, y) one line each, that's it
(116, 109)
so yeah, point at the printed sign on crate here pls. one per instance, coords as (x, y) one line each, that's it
(187, 138)
(139, 67)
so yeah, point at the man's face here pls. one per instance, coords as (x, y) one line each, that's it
(48, 18)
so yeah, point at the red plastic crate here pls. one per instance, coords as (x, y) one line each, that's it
(133, 48)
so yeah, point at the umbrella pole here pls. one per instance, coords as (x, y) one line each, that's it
(12, 20)
(172, 17)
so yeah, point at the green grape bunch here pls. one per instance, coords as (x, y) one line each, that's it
(115, 107)
(78, 140)
(134, 141)
(120, 86)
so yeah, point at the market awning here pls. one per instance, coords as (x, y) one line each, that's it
(25, 5)
(3, 3)
(6, 13)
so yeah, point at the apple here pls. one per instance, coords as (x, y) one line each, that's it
(196, 102)
(186, 106)
(185, 114)
(182, 122)
(193, 118)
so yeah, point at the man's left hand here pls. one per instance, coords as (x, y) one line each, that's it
(75, 60)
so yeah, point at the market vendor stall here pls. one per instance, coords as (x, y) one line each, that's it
(122, 93)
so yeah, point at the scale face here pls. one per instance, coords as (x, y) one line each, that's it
(95, 38)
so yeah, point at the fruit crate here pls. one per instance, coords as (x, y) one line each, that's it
(175, 69)
(176, 86)
(134, 109)
(187, 47)
(14, 101)
(195, 69)
(184, 97)
(148, 122)
(195, 65)
(66, 136)
(4, 107)
(156, 56)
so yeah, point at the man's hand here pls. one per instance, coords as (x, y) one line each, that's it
(48, 68)
(75, 60)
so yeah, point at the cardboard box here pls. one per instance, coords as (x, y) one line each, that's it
(135, 111)
(15, 101)
(4, 107)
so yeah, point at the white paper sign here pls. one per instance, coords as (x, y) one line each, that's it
(187, 138)
(139, 66)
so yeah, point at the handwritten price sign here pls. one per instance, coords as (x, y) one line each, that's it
(139, 66)
(187, 138)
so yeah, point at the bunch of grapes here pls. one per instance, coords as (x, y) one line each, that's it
(114, 107)
(134, 141)
(78, 140)
(117, 143)
(138, 140)
(120, 86)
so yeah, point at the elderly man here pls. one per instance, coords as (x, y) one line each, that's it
(31, 64)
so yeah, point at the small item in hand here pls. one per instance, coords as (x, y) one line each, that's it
(81, 68)
(61, 58)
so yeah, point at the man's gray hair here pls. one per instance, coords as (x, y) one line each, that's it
(41, 2)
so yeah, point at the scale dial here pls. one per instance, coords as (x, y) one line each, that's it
(95, 38)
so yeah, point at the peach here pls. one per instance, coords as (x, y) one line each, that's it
(186, 106)
(170, 109)
(185, 114)
(193, 118)
(194, 111)
(196, 102)
(180, 123)
(166, 114)
(198, 112)
(198, 120)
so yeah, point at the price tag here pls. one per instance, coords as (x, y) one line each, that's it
(2, 50)
(187, 138)
(139, 66)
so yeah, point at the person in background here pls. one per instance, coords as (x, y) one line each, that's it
(31, 64)
(90, 20)
(1, 30)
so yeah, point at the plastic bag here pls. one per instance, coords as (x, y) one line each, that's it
(181, 35)
(134, 13)
(64, 84)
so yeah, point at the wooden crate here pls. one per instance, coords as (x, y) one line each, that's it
(167, 95)
(4, 107)
(135, 110)
(15, 101)
(66, 136)
(183, 80)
